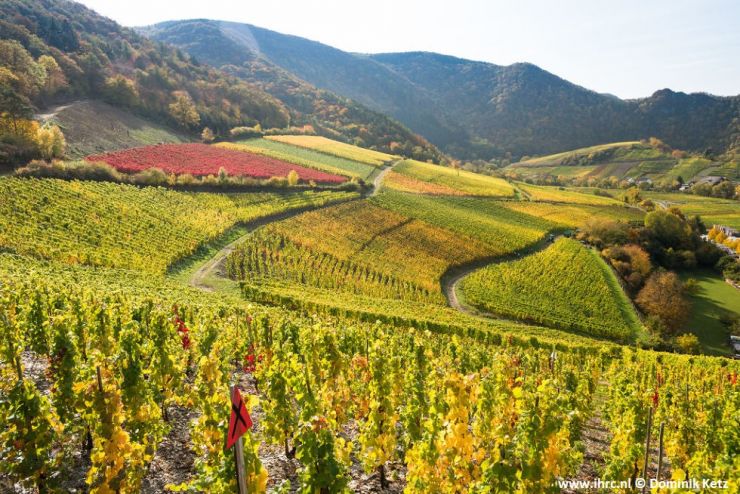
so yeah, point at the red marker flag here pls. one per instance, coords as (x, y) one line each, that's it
(240, 421)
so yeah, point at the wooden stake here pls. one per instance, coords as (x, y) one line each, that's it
(19, 369)
(647, 448)
(241, 475)
(660, 451)
(100, 379)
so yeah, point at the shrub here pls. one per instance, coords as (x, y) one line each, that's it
(688, 343)
(150, 176)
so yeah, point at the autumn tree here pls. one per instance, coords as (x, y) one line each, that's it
(664, 297)
(183, 110)
(51, 142)
(207, 135)
(55, 78)
(119, 90)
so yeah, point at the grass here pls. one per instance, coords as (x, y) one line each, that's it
(336, 148)
(93, 127)
(714, 299)
(555, 159)
(435, 179)
(304, 157)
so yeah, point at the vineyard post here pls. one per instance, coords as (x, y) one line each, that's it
(660, 451)
(647, 447)
(19, 369)
(241, 476)
(100, 379)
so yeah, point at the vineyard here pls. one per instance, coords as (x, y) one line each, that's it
(575, 215)
(304, 157)
(358, 373)
(425, 178)
(356, 247)
(423, 411)
(502, 230)
(201, 160)
(561, 195)
(114, 225)
(336, 148)
(565, 286)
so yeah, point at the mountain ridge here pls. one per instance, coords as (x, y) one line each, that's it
(477, 109)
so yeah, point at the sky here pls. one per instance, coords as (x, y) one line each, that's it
(628, 48)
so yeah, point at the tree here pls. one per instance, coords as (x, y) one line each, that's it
(51, 142)
(724, 189)
(183, 110)
(663, 296)
(14, 106)
(119, 90)
(55, 78)
(207, 135)
(632, 196)
(669, 229)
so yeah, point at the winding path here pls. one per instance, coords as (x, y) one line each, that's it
(451, 279)
(215, 265)
(378, 182)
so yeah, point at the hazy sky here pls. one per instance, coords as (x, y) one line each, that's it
(625, 47)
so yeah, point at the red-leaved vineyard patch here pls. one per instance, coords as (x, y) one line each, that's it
(201, 159)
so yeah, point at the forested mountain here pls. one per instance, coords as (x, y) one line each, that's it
(476, 109)
(231, 47)
(56, 51)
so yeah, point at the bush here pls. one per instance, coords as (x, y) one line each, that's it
(688, 343)
(71, 170)
(246, 132)
(150, 176)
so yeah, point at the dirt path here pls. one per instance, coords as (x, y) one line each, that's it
(52, 112)
(378, 182)
(216, 263)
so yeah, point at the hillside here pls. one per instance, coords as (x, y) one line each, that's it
(233, 48)
(60, 50)
(625, 160)
(81, 123)
(476, 109)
